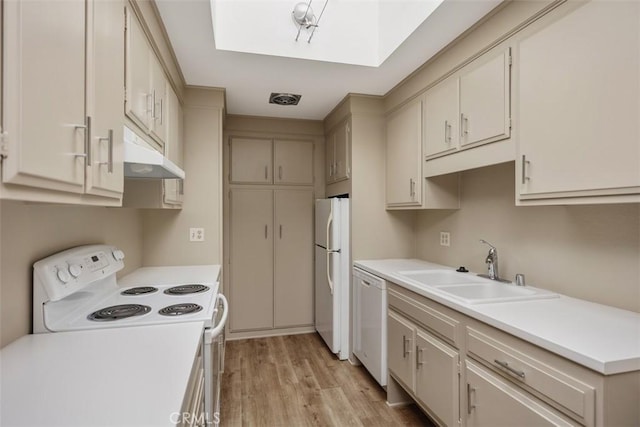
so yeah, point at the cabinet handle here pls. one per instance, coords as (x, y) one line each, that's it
(266, 172)
(447, 132)
(470, 407)
(161, 110)
(265, 231)
(280, 172)
(364, 282)
(281, 231)
(109, 162)
(505, 365)
(523, 168)
(418, 361)
(464, 125)
(405, 347)
(181, 187)
(412, 188)
(87, 141)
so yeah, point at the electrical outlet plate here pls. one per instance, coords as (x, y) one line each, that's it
(445, 238)
(196, 234)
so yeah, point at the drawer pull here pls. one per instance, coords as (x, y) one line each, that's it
(506, 366)
(418, 361)
(470, 406)
(405, 350)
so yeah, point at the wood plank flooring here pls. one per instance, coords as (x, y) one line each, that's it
(296, 381)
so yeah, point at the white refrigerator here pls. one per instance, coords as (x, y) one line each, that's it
(332, 274)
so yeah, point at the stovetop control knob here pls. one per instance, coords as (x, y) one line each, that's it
(118, 255)
(63, 275)
(75, 270)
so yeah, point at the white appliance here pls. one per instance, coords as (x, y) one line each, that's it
(77, 290)
(370, 323)
(142, 161)
(333, 269)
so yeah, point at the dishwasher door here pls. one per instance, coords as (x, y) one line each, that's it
(370, 323)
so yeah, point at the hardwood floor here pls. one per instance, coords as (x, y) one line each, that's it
(296, 381)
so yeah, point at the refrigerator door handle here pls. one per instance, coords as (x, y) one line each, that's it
(329, 222)
(329, 281)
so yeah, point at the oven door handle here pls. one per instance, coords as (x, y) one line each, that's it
(211, 334)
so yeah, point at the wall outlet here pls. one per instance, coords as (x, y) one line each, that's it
(445, 238)
(196, 234)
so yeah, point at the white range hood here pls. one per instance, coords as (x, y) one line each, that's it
(142, 161)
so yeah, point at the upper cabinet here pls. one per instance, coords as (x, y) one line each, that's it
(337, 153)
(146, 93)
(266, 161)
(578, 105)
(469, 108)
(406, 188)
(404, 156)
(174, 188)
(63, 94)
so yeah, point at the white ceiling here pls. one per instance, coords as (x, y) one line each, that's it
(250, 78)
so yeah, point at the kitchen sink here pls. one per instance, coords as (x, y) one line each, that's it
(441, 277)
(472, 289)
(487, 292)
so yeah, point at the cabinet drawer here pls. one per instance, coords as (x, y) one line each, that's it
(574, 396)
(436, 321)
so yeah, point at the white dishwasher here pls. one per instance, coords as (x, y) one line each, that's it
(370, 323)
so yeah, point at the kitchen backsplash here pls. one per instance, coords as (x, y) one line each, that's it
(588, 252)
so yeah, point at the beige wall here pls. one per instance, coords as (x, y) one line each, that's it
(166, 232)
(588, 252)
(33, 231)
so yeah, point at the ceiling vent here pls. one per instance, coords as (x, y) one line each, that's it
(284, 98)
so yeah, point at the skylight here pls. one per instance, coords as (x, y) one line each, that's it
(356, 32)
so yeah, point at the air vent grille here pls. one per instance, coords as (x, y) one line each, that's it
(284, 98)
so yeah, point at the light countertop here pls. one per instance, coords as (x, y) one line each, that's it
(135, 376)
(603, 338)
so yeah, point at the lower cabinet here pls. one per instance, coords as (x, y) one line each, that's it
(494, 402)
(426, 366)
(271, 257)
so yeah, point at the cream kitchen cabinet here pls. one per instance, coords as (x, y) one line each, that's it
(469, 108)
(494, 402)
(174, 188)
(578, 105)
(62, 82)
(337, 152)
(145, 81)
(404, 156)
(267, 161)
(271, 267)
(405, 186)
(419, 358)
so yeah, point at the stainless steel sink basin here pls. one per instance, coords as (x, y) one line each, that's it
(483, 293)
(472, 289)
(441, 277)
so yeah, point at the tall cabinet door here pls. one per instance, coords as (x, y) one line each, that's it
(138, 105)
(404, 156)
(44, 42)
(251, 245)
(293, 286)
(105, 97)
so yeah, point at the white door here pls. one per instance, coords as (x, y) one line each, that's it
(327, 233)
(326, 298)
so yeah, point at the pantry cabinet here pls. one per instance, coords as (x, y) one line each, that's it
(267, 161)
(469, 108)
(63, 101)
(271, 267)
(337, 152)
(578, 105)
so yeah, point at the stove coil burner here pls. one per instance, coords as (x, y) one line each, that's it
(117, 312)
(186, 289)
(180, 309)
(140, 290)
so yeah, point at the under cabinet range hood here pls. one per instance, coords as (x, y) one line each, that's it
(142, 161)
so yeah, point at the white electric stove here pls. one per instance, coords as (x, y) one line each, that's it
(77, 289)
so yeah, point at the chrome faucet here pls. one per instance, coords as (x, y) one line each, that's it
(492, 263)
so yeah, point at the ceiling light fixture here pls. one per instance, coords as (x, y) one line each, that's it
(304, 17)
